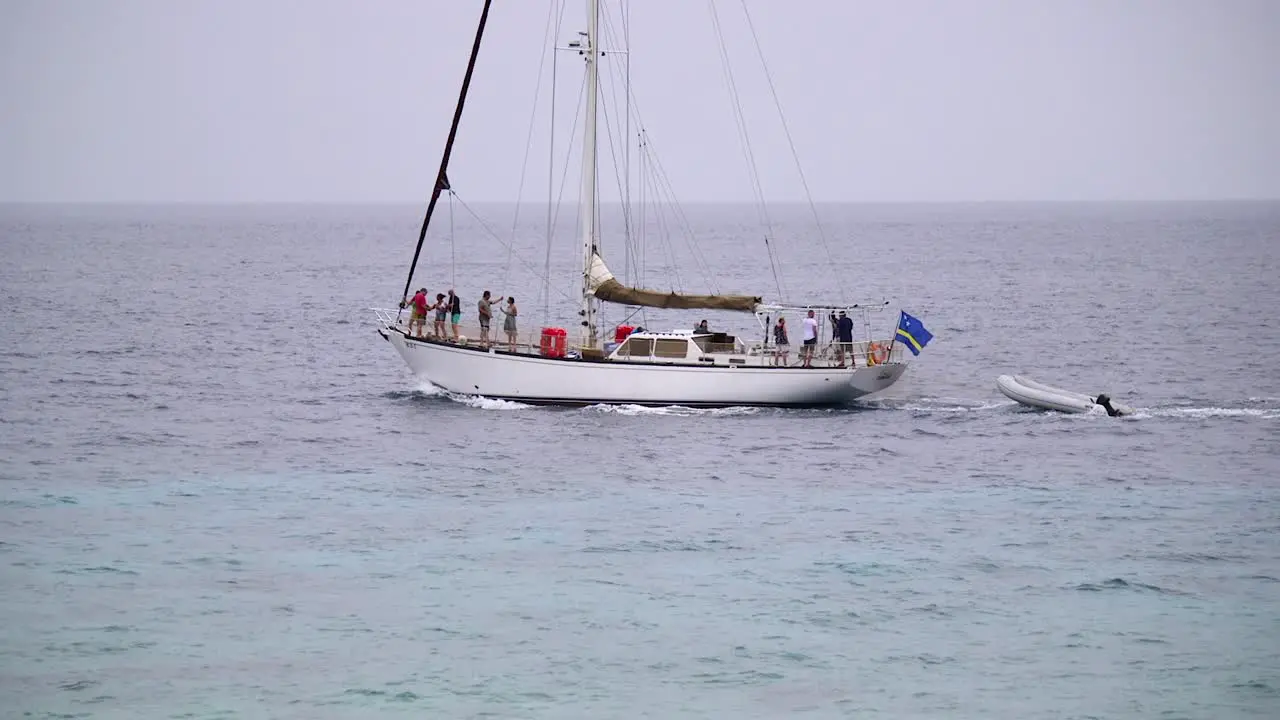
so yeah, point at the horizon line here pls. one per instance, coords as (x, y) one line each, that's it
(1059, 201)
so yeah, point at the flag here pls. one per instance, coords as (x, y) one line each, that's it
(911, 331)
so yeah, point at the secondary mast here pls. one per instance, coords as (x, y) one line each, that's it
(587, 203)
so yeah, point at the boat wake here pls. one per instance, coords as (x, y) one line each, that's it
(676, 410)
(1262, 408)
(948, 406)
(1209, 412)
(480, 402)
(939, 405)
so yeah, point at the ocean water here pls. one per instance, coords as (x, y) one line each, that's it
(224, 496)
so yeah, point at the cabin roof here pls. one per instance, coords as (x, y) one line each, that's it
(673, 334)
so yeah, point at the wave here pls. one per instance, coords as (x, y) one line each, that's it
(483, 403)
(950, 405)
(678, 410)
(942, 405)
(1122, 584)
(480, 402)
(936, 405)
(1206, 412)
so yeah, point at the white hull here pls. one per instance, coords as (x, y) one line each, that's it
(492, 373)
(1029, 392)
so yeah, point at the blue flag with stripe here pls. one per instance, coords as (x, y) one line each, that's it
(911, 333)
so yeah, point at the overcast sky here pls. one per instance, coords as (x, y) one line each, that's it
(263, 100)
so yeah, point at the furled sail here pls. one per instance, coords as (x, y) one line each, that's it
(607, 288)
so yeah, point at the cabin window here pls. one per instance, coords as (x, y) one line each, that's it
(637, 347)
(716, 343)
(668, 348)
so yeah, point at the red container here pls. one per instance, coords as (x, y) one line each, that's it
(622, 332)
(554, 342)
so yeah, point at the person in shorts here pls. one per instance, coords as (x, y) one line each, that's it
(418, 311)
(781, 341)
(844, 338)
(810, 339)
(486, 316)
(442, 313)
(455, 312)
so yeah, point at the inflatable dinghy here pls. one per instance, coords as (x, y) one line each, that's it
(1029, 392)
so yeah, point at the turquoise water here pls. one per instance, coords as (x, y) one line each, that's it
(224, 497)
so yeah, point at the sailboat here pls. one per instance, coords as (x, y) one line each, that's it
(692, 368)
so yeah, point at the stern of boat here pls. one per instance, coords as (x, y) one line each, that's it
(869, 380)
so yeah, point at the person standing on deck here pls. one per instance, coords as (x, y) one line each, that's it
(844, 338)
(509, 325)
(810, 339)
(486, 316)
(418, 311)
(455, 312)
(441, 310)
(781, 341)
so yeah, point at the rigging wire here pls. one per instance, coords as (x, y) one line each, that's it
(746, 144)
(626, 137)
(486, 227)
(624, 184)
(453, 250)
(664, 188)
(552, 207)
(620, 76)
(664, 234)
(613, 153)
(559, 201)
(528, 144)
(641, 232)
(822, 236)
(442, 178)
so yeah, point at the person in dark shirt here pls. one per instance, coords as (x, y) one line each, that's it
(455, 312)
(844, 338)
(782, 342)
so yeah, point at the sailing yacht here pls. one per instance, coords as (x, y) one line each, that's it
(581, 365)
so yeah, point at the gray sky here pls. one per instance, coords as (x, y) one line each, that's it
(236, 100)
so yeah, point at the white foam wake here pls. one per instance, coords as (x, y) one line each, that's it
(671, 410)
(476, 401)
(1210, 412)
(924, 405)
(937, 405)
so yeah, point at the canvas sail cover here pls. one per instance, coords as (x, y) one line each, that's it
(605, 287)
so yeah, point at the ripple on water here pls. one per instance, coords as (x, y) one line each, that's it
(245, 516)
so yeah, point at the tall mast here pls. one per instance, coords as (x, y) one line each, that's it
(442, 179)
(587, 203)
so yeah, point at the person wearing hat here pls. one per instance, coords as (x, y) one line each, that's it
(844, 338)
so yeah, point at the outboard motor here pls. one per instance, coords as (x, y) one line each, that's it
(1105, 402)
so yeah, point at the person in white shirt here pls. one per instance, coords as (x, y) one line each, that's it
(810, 339)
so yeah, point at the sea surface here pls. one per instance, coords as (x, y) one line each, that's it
(223, 495)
